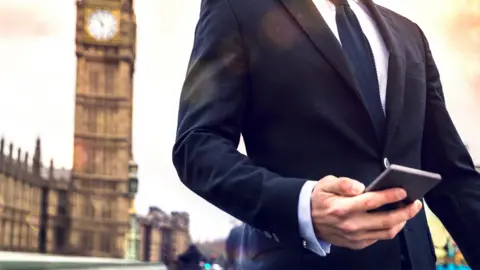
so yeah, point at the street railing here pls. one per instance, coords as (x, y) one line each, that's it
(30, 261)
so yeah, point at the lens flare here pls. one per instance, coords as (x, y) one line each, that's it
(462, 35)
(33, 220)
(453, 30)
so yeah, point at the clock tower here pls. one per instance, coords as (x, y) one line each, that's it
(105, 50)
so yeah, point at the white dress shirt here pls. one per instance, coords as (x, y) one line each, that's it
(380, 53)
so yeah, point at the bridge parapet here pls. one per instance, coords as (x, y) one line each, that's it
(28, 261)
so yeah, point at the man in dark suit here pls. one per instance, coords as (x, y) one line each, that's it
(190, 259)
(329, 90)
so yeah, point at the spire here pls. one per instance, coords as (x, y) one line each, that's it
(50, 170)
(10, 151)
(18, 166)
(38, 153)
(19, 155)
(37, 164)
(25, 162)
(10, 160)
(2, 157)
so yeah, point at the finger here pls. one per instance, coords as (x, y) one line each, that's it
(341, 186)
(361, 244)
(386, 234)
(350, 187)
(387, 220)
(379, 220)
(339, 240)
(373, 200)
(358, 245)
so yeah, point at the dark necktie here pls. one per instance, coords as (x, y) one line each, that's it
(359, 53)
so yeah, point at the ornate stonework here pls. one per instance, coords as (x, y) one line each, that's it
(33, 202)
(40, 206)
(163, 236)
(103, 127)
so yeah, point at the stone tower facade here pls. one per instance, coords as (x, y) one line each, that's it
(105, 49)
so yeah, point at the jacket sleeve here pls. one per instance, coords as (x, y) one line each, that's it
(456, 200)
(213, 101)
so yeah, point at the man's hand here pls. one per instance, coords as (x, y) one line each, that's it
(340, 217)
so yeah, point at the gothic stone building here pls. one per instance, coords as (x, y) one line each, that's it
(163, 237)
(38, 207)
(33, 213)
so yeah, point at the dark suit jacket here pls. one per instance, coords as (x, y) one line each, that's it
(273, 71)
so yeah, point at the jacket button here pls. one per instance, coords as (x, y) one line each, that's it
(304, 243)
(275, 237)
(386, 163)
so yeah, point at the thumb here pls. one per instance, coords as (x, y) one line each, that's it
(341, 186)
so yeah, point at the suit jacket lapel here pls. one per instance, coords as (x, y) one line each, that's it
(313, 24)
(396, 68)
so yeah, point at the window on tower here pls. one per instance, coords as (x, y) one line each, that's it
(109, 118)
(89, 210)
(93, 79)
(107, 159)
(91, 160)
(92, 119)
(110, 79)
(107, 211)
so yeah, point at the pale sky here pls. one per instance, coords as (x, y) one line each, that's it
(37, 79)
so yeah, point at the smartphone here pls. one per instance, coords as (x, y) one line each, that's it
(415, 182)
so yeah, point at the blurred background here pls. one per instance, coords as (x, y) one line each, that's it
(99, 107)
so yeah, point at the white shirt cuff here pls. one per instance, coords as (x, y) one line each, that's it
(305, 222)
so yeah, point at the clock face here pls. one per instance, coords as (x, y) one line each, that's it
(102, 25)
